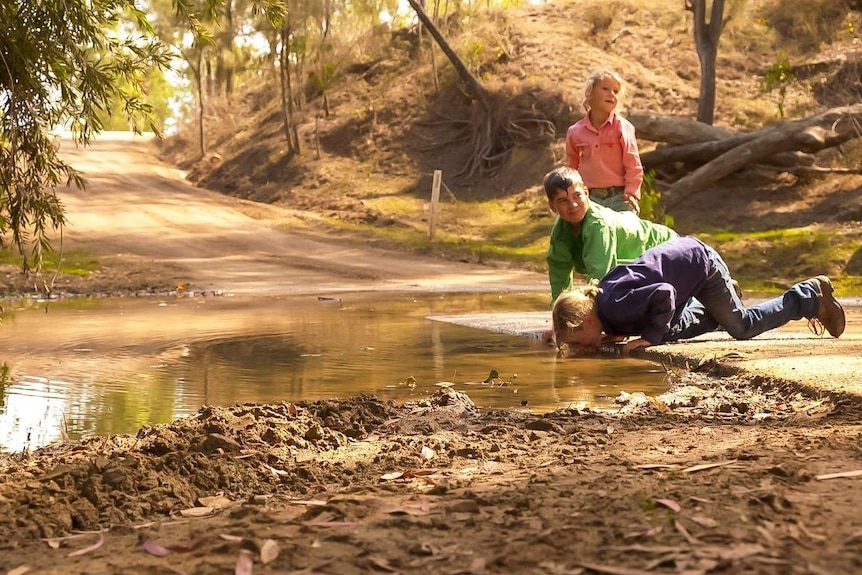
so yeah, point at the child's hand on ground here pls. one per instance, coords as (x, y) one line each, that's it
(634, 344)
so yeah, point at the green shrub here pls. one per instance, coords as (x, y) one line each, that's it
(650, 204)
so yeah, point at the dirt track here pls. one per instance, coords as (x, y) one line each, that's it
(143, 213)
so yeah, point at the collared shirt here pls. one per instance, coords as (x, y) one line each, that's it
(607, 156)
(643, 298)
(605, 238)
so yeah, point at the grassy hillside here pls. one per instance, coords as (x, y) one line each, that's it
(397, 114)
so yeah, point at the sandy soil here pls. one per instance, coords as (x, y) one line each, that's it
(753, 473)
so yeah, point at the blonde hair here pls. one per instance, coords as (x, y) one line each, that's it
(597, 77)
(570, 309)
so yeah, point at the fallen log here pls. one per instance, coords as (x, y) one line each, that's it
(693, 142)
(674, 130)
(810, 135)
(703, 152)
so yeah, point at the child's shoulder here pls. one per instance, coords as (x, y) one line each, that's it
(623, 121)
(583, 120)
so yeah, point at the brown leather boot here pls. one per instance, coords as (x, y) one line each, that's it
(831, 314)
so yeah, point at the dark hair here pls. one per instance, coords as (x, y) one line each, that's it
(559, 179)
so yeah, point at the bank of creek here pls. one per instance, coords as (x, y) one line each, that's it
(754, 471)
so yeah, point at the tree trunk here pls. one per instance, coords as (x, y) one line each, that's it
(284, 77)
(476, 89)
(706, 37)
(324, 76)
(197, 71)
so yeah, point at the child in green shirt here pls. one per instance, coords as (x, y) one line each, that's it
(589, 238)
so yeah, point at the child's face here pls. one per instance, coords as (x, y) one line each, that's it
(584, 339)
(571, 204)
(605, 96)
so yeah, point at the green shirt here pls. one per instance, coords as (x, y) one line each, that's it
(606, 238)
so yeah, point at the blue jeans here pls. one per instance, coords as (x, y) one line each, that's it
(718, 306)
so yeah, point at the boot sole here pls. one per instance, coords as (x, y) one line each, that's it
(826, 290)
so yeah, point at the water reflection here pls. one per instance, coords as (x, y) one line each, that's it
(95, 367)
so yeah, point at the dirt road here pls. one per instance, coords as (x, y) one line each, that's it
(754, 475)
(151, 222)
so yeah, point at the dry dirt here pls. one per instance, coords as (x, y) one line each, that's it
(717, 476)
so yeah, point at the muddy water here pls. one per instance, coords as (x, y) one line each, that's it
(89, 367)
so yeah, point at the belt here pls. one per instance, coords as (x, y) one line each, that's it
(603, 193)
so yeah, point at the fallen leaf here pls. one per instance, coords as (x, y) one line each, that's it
(670, 504)
(229, 537)
(419, 472)
(244, 563)
(705, 466)
(86, 550)
(197, 511)
(692, 540)
(216, 502)
(268, 551)
(19, 570)
(308, 502)
(427, 453)
(382, 564)
(315, 523)
(611, 570)
(54, 542)
(739, 551)
(704, 521)
(390, 507)
(144, 525)
(276, 472)
(840, 474)
(652, 531)
(153, 547)
(407, 474)
(656, 466)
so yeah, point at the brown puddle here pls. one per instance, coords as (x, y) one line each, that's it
(103, 366)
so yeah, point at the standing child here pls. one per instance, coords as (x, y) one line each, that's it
(602, 145)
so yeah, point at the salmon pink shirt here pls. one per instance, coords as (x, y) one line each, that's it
(607, 156)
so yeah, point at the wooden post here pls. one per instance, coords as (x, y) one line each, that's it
(435, 200)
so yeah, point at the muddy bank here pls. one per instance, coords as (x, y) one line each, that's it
(714, 477)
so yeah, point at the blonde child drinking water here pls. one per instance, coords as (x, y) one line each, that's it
(602, 145)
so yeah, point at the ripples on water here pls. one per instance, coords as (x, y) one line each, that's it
(102, 366)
